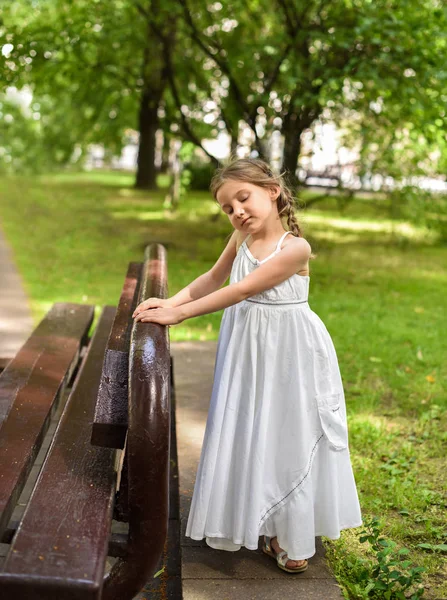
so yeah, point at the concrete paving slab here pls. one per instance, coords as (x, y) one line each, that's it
(256, 589)
(206, 563)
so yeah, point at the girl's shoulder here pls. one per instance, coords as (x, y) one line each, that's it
(299, 242)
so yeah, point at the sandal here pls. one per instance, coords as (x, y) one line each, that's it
(281, 557)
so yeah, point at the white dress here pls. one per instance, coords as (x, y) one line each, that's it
(275, 458)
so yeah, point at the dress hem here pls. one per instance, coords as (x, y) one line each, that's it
(227, 537)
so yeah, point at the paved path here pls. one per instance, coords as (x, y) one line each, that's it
(208, 573)
(16, 322)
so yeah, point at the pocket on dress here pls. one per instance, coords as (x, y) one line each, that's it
(332, 422)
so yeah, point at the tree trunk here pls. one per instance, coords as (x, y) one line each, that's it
(292, 148)
(165, 154)
(234, 145)
(148, 122)
(295, 122)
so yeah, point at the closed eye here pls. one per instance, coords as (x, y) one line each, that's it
(241, 200)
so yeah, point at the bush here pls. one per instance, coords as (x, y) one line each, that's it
(201, 174)
(421, 207)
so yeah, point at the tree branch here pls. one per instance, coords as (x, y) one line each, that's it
(185, 125)
(223, 64)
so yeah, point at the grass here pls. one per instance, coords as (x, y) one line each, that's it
(379, 285)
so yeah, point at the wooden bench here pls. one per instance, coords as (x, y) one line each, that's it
(117, 387)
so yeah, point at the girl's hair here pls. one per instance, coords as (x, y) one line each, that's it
(258, 172)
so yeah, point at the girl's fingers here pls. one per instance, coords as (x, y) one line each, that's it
(140, 309)
(149, 303)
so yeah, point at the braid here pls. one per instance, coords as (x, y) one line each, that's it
(286, 208)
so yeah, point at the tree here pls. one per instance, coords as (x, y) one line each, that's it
(288, 63)
(194, 68)
(105, 58)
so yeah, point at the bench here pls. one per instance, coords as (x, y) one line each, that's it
(109, 457)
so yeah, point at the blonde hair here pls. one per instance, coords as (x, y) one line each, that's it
(258, 172)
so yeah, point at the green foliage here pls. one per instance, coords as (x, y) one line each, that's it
(421, 207)
(82, 62)
(433, 547)
(201, 174)
(35, 138)
(196, 174)
(388, 575)
(374, 68)
(21, 139)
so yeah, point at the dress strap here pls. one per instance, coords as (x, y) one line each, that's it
(278, 246)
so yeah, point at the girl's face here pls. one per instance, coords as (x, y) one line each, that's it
(248, 206)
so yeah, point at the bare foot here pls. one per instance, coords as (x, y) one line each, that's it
(290, 564)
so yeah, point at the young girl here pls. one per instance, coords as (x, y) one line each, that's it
(275, 457)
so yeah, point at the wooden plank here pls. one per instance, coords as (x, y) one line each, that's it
(63, 321)
(147, 443)
(60, 548)
(4, 363)
(110, 421)
(30, 388)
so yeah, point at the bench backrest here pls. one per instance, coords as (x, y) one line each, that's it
(110, 421)
(60, 548)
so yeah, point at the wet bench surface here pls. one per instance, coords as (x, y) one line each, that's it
(30, 388)
(56, 530)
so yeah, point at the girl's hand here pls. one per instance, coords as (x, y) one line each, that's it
(163, 316)
(152, 303)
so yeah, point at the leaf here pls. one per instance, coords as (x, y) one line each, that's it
(425, 546)
(380, 585)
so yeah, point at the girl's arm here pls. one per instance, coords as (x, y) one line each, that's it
(203, 285)
(276, 270)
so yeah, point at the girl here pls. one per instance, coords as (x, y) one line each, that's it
(275, 458)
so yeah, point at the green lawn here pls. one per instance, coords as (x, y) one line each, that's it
(379, 285)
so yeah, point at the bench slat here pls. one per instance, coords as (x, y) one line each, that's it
(110, 421)
(30, 388)
(60, 548)
(63, 321)
(4, 363)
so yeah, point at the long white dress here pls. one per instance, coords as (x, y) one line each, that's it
(275, 458)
